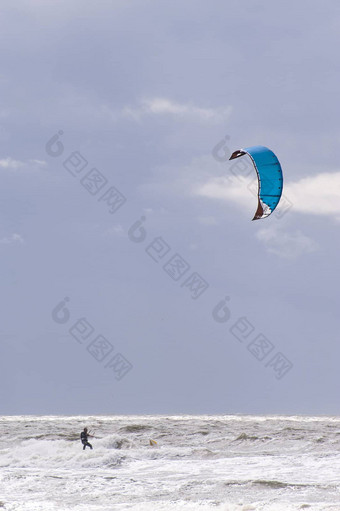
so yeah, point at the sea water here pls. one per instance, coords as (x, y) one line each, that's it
(203, 463)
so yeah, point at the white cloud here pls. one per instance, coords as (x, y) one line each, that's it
(41, 163)
(14, 238)
(182, 181)
(179, 111)
(315, 195)
(115, 230)
(230, 189)
(287, 245)
(224, 188)
(10, 163)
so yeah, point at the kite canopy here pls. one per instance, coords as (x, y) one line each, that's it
(269, 174)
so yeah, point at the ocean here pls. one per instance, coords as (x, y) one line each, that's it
(203, 463)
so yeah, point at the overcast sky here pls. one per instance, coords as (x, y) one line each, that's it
(116, 123)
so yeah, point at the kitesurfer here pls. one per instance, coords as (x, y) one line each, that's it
(83, 437)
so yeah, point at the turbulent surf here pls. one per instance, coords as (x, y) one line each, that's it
(198, 463)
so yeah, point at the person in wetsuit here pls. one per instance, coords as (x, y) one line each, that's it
(83, 437)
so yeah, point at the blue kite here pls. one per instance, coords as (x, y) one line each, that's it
(269, 174)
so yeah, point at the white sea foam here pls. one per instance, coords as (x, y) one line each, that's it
(203, 463)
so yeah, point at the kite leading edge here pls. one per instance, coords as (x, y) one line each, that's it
(269, 174)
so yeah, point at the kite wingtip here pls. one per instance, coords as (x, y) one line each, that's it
(236, 154)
